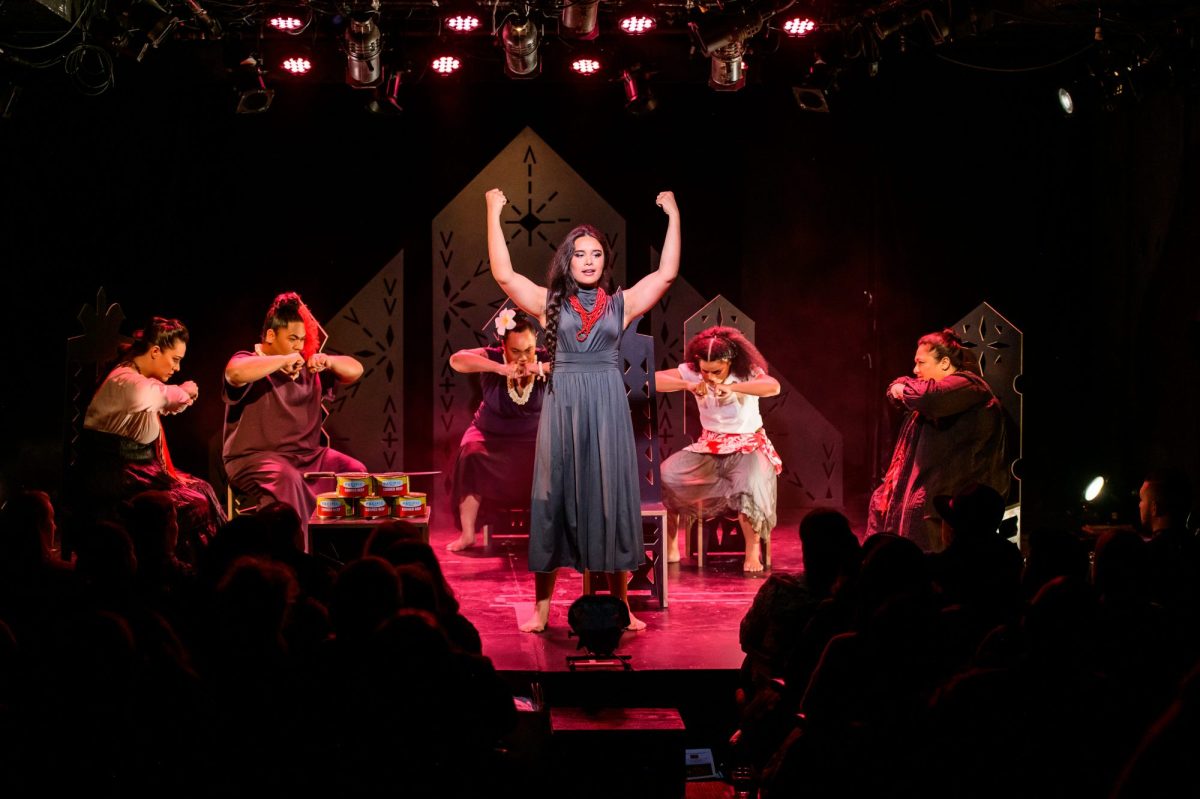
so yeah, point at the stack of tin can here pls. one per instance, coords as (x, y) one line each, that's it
(371, 496)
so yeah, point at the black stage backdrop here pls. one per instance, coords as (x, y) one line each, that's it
(931, 187)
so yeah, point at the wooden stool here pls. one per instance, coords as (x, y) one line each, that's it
(326, 534)
(723, 536)
(623, 752)
(652, 575)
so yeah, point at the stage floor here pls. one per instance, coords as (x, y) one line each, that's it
(697, 631)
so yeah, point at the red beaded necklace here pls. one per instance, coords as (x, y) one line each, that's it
(589, 317)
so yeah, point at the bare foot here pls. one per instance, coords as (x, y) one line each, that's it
(752, 565)
(534, 624)
(462, 543)
(636, 625)
(673, 553)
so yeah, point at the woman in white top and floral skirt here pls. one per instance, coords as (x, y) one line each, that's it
(732, 468)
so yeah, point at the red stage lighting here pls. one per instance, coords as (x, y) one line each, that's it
(446, 64)
(586, 66)
(463, 23)
(297, 65)
(637, 24)
(286, 24)
(799, 26)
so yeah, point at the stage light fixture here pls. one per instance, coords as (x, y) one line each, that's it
(521, 39)
(580, 19)
(364, 44)
(296, 65)
(639, 96)
(637, 22)
(292, 19)
(253, 96)
(445, 65)
(387, 101)
(1066, 101)
(286, 24)
(814, 92)
(585, 66)
(460, 16)
(727, 69)
(799, 27)
(1094, 488)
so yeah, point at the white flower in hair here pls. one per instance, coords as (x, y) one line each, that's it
(505, 321)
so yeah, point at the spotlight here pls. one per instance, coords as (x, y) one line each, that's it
(296, 65)
(579, 19)
(292, 20)
(460, 16)
(798, 27)
(1094, 489)
(639, 97)
(599, 621)
(521, 39)
(637, 22)
(254, 97)
(1066, 101)
(814, 93)
(386, 102)
(363, 47)
(586, 66)
(727, 72)
(445, 65)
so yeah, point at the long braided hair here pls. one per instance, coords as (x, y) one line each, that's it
(726, 344)
(561, 284)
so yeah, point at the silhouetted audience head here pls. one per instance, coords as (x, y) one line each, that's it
(385, 534)
(416, 587)
(1164, 500)
(253, 599)
(1052, 553)
(404, 552)
(1061, 622)
(26, 530)
(1121, 564)
(282, 527)
(105, 554)
(976, 510)
(365, 594)
(892, 566)
(151, 520)
(829, 549)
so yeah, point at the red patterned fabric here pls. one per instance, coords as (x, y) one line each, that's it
(711, 443)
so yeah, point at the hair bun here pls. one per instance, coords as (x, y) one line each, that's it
(951, 337)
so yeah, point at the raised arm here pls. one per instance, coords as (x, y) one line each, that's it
(762, 385)
(529, 296)
(951, 395)
(671, 380)
(650, 289)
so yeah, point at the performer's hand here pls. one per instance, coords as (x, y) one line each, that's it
(292, 364)
(666, 201)
(495, 201)
(319, 362)
(896, 390)
(191, 388)
(721, 391)
(699, 389)
(513, 371)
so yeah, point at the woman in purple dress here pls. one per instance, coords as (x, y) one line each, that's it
(494, 467)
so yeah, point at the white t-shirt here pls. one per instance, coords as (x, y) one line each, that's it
(737, 413)
(128, 404)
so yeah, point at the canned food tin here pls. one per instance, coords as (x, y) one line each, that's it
(391, 484)
(353, 484)
(334, 506)
(411, 505)
(373, 507)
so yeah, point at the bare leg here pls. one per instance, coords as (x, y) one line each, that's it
(672, 538)
(543, 583)
(468, 512)
(753, 562)
(618, 586)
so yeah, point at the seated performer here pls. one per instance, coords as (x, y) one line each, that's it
(123, 449)
(494, 468)
(732, 469)
(273, 411)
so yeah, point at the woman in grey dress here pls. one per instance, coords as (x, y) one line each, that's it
(586, 505)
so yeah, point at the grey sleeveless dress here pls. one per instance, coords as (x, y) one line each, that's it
(586, 504)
